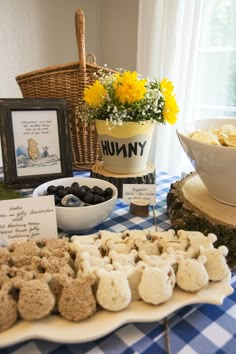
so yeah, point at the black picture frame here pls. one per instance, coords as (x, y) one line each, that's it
(29, 128)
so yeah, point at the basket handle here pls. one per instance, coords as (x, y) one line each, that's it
(80, 37)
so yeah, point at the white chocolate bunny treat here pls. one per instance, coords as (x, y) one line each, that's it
(197, 239)
(137, 235)
(163, 238)
(120, 247)
(105, 236)
(148, 246)
(75, 277)
(191, 274)
(91, 264)
(113, 292)
(133, 274)
(78, 249)
(155, 285)
(125, 258)
(216, 265)
(163, 262)
(85, 240)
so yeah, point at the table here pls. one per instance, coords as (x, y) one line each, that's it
(192, 329)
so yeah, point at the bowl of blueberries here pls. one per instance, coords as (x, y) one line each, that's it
(81, 203)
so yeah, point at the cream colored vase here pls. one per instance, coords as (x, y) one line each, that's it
(125, 147)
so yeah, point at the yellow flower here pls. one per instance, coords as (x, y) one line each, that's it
(128, 88)
(171, 107)
(95, 94)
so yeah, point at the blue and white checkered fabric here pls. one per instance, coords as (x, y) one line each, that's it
(195, 329)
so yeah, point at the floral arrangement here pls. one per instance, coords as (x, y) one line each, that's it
(126, 97)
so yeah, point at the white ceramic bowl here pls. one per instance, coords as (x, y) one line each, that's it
(216, 165)
(73, 219)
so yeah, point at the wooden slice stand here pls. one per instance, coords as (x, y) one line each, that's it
(148, 176)
(190, 207)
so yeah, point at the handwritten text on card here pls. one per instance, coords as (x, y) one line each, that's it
(139, 191)
(27, 218)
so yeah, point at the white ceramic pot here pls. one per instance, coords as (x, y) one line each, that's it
(125, 147)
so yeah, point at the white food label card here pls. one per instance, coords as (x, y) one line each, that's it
(139, 191)
(27, 218)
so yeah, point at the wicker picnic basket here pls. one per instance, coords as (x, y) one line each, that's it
(68, 81)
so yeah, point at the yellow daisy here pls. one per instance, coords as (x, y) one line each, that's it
(171, 107)
(95, 94)
(128, 88)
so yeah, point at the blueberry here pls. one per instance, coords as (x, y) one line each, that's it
(88, 198)
(68, 189)
(74, 188)
(108, 192)
(82, 191)
(60, 187)
(97, 190)
(98, 199)
(62, 192)
(51, 189)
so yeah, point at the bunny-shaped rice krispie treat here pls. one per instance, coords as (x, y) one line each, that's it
(5, 256)
(54, 247)
(36, 300)
(53, 264)
(113, 292)
(8, 307)
(5, 274)
(22, 253)
(191, 274)
(216, 265)
(33, 266)
(77, 301)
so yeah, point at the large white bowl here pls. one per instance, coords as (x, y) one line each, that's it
(74, 219)
(216, 165)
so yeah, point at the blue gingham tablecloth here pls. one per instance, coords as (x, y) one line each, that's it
(195, 329)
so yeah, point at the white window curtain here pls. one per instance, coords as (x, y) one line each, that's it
(168, 42)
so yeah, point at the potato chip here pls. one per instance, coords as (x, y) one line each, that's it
(224, 136)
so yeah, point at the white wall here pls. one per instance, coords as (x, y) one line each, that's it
(119, 23)
(39, 33)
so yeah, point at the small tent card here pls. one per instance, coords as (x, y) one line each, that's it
(27, 218)
(145, 192)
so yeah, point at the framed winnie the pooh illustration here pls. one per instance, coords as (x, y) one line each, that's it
(35, 140)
